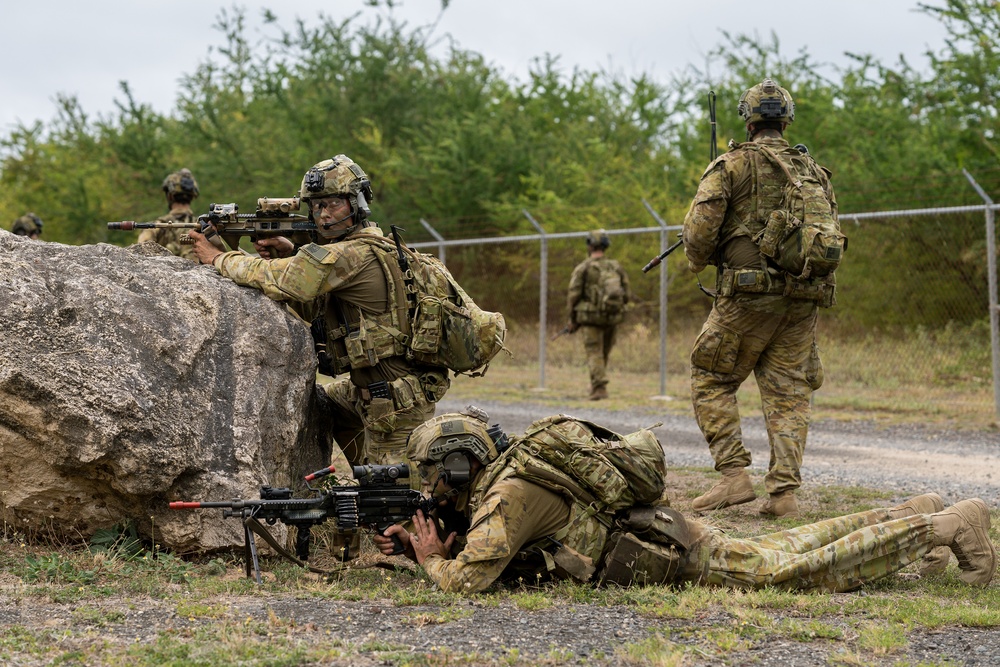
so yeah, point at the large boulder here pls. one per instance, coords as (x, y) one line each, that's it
(130, 378)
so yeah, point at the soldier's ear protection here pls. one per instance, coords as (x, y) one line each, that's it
(457, 469)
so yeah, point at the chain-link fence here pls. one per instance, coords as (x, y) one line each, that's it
(914, 329)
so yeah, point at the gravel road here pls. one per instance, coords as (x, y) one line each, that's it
(909, 460)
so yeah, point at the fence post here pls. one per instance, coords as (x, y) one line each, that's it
(991, 267)
(543, 298)
(437, 237)
(664, 244)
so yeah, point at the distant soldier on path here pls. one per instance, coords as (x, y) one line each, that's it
(595, 304)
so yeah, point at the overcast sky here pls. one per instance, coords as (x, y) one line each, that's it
(86, 48)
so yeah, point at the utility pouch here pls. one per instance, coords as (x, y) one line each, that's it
(359, 349)
(780, 225)
(428, 323)
(632, 561)
(658, 524)
(823, 293)
(380, 415)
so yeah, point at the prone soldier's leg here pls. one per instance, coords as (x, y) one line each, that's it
(859, 555)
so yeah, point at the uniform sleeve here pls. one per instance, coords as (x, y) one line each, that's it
(575, 292)
(706, 215)
(312, 272)
(500, 528)
(263, 274)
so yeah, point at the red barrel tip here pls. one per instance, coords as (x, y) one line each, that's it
(319, 473)
(182, 505)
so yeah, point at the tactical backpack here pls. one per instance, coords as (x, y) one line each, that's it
(603, 302)
(617, 480)
(802, 236)
(604, 468)
(443, 325)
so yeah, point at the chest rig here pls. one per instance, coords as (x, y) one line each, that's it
(355, 339)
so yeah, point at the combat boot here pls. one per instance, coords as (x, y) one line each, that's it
(781, 504)
(599, 393)
(734, 488)
(936, 560)
(965, 528)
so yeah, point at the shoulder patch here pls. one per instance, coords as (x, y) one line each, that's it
(315, 252)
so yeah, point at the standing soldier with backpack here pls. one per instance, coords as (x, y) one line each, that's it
(765, 215)
(598, 292)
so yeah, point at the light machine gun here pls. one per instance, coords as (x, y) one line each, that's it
(273, 217)
(378, 502)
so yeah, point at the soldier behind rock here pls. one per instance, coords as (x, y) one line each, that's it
(29, 225)
(500, 524)
(586, 312)
(340, 283)
(180, 189)
(753, 326)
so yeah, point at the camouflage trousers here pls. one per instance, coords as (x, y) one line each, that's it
(375, 430)
(780, 349)
(830, 556)
(597, 344)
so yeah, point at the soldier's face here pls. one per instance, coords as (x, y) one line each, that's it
(332, 215)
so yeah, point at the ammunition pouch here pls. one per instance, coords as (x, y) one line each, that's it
(757, 281)
(648, 549)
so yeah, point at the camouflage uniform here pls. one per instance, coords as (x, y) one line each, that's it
(597, 339)
(346, 285)
(170, 238)
(834, 555)
(753, 326)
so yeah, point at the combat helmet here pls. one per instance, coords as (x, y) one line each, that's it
(598, 239)
(180, 186)
(767, 101)
(339, 176)
(27, 224)
(440, 445)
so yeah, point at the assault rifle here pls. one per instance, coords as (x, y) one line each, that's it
(273, 217)
(377, 502)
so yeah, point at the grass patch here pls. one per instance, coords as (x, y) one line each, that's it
(945, 381)
(152, 608)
